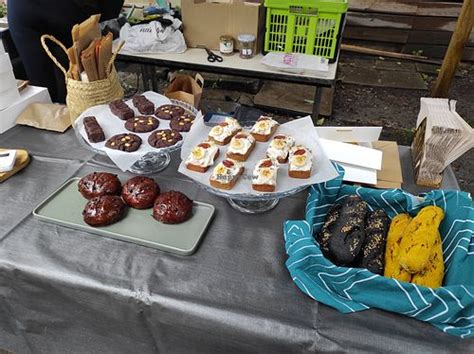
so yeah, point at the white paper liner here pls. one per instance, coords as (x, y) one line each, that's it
(301, 129)
(112, 125)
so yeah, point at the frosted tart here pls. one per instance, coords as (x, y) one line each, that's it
(202, 157)
(241, 145)
(264, 177)
(222, 133)
(226, 174)
(264, 128)
(279, 148)
(300, 162)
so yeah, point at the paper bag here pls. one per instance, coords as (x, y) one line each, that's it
(186, 88)
(47, 116)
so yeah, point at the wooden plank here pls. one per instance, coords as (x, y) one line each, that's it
(377, 20)
(395, 35)
(377, 34)
(406, 7)
(437, 51)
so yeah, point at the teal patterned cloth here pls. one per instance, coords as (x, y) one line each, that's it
(450, 308)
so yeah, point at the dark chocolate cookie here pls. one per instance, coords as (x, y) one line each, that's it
(140, 192)
(121, 110)
(143, 104)
(348, 232)
(169, 111)
(142, 124)
(182, 123)
(124, 142)
(172, 207)
(164, 138)
(97, 184)
(372, 256)
(93, 130)
(104, 210)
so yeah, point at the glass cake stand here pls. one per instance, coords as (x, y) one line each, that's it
(250, 203)
(150, 163)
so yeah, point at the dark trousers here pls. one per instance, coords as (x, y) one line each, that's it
(28, 20)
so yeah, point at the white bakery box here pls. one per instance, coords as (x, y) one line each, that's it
(8, 90)
(31, 94)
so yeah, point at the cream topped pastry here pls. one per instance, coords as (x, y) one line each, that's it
(241, 146)
(202, 156)
(280, 147)
(226, 174)
(301, 162)
(264, 128)
(223, 132)
(264, 176)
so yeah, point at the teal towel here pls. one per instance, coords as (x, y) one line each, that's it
(450, 308)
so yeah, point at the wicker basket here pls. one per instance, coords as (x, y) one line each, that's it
(83, 95)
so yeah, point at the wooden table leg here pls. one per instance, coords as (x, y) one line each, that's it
(317, 104)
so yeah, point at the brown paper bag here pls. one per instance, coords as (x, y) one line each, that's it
(186, 88)
(48, 116)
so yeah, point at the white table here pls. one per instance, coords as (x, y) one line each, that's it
(196, 59)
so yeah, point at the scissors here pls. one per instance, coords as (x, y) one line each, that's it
(211, 57)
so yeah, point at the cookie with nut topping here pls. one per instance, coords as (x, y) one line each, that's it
(301, 162)
(182, 123)
(164, 138)
(142, 124)
(124, 142)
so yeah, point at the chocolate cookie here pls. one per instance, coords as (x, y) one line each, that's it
(143, 104)
(93, 130)
(348, 232)
(169, 111)
(142, 124)
(97, 184)
(104, 210)
(182, 123)
(140, 192)
(326, 230)
(372, 256)
(164, 138)
(121, 110)
(124, 142)
(172, 207)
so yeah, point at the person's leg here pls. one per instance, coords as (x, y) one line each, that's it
(38, 66)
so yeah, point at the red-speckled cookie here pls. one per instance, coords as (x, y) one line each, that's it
(104, 210)
(97, 184)
(140, 192)
(172, 207)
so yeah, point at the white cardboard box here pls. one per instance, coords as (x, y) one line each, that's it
(31, 94)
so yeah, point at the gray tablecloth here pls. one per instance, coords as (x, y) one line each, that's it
(63, 290)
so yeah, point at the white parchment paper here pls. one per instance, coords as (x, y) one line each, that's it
(113, 125)
(301, 129)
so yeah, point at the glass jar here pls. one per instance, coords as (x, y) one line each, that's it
(247, 44)
(226, 46)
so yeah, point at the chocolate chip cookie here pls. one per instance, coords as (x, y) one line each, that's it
(164, 138)
(182, 123)
(124, 142)
(169, 111)
(142, 124)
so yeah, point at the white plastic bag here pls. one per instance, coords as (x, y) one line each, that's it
(153, 37)
(295, 62)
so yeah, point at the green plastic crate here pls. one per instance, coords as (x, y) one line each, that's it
(304, 26)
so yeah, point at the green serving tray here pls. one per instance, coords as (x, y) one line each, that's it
(64, 207)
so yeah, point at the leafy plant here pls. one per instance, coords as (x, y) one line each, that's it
(3, 9)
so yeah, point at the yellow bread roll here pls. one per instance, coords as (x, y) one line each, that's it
(419, 239)
(432, 276)
(393, 269)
